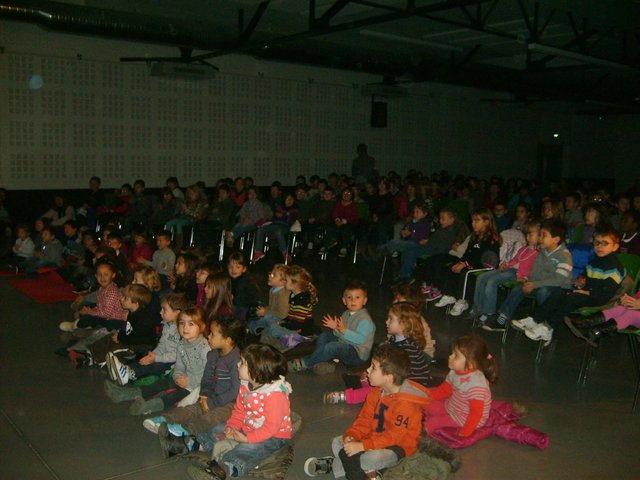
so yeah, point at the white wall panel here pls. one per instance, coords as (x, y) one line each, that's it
(96, 116)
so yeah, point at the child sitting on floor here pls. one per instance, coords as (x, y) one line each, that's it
(245, 292)
(163, 259)
(304, 297)
(463, 400)
(405, 330)
(386, 429)
(161, 358)
(218, 388)
(218, 296)
(23, 247)
(108, 311)
(202, 273)
(191, 358)
(350, 339)
(278, 307)
(260, 422)
(49, 255)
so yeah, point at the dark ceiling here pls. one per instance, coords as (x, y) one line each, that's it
(586, 52)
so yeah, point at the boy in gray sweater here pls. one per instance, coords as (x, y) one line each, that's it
(551, 271)
(350, 339)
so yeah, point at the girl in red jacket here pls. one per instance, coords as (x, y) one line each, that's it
(260, 422)
(463, 400)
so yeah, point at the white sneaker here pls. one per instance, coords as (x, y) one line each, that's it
(459, 307)
(68, 326)
(445, 300)
(152, 424)
(526, 323)
(540, 332)
(117, 371)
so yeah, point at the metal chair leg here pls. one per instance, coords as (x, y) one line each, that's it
(221, 246)
(539, 353)
(355, 251)
(506, 332)
(634, 340)
(384, 265)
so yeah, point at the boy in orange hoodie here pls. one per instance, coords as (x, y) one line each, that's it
(388, 426)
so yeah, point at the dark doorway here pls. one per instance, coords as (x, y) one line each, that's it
(549, 162)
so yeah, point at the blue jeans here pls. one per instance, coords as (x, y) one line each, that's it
(516, 296)
(278, 230)
(401, 246)
(329, 347)
(244, 456)
(369, 461)
(485, 295)
(177, 224)
(410, 257)
(241, 228)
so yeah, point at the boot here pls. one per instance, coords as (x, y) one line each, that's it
(140, 406)
(172, 445)
(580, 324)
(594, 334)
(436, 449)
(119, 394)
(583, 322)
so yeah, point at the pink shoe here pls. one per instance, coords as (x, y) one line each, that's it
(257, 256)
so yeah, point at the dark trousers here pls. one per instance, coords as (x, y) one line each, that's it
(559, 304)
(170, 393)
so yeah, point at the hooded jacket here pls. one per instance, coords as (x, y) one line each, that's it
(392, 420)
(263, 413)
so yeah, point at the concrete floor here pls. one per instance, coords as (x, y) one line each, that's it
(56, 422)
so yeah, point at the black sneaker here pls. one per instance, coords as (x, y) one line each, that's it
(318, 466)
(492, 325)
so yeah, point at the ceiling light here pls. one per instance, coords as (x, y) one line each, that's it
(414, 41)
(559, 52)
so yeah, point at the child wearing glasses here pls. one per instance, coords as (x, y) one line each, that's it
(602, 278)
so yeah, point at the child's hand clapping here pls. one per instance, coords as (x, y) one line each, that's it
(182, 381)
(260, 311)
(333, 323)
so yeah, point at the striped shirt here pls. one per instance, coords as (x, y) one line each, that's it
(300, 307)
(419, 371)
(466, 387)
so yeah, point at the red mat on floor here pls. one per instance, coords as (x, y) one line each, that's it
(10, 274)
(46, 288)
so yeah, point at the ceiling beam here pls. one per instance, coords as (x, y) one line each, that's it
(320, 30)
(245, 34)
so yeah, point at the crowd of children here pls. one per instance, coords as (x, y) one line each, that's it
(188, 340)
